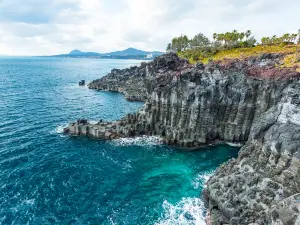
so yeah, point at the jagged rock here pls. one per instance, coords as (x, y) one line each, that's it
(247, 101)
(133, 82)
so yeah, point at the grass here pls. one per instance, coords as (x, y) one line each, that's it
(292, 60)
(292, 52)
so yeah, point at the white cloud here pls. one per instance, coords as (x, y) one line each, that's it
(40, 27)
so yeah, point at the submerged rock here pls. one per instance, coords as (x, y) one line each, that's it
(246, 101)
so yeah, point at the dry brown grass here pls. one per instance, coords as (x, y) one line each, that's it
(291, 60)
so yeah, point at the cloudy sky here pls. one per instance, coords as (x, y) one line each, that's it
(45, 27)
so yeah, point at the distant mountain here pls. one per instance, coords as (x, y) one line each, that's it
(77, 53)
(130, 53)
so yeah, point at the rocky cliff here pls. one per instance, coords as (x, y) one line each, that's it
(258, 185)
(247, 101)
(135, 81)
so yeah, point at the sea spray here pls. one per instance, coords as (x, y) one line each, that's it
(188, 211)
(138, 141)
(201, 179)
(60, 128)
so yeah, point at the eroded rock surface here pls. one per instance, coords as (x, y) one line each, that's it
(252, 188)
(250, 101)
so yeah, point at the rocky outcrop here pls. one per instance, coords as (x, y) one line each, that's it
(194, 105)
(135, 81)
(247, 101)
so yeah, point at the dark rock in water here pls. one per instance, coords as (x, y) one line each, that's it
(247, 101)
(188, 216)
(82, 83)
(66, 130)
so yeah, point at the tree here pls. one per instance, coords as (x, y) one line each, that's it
(241, 36)
(234, 39)
(200, 41)
(285, 38)
(169, 47)
(248, 33)
(179, 44)
(264, 41)
(184, 43)
(250, 42)
(215, 36)
(294, 37)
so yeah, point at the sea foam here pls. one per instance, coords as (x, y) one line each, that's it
(201, 179)
(138, 141)
(188, 211)
(60, 129)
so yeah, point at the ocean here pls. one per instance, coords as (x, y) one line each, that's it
(50, 178)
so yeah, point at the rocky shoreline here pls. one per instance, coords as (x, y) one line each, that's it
(250, 101)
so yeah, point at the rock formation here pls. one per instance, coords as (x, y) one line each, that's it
(254, 187)
(134, 82)
(249, 101)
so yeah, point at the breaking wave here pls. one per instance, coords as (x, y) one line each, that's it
(138, 141)
(60, 129)
(189, 211)
(234, 144)
(201, 179)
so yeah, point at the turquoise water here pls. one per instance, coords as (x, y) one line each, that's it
(49, 178)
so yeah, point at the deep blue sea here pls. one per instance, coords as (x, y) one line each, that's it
(49, 178)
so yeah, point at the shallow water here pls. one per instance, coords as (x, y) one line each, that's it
(49, 178)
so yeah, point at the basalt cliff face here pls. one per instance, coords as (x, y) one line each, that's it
(246, 101)
(263, 184)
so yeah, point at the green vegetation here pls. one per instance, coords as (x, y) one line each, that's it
(200, 46)
(234, 39)
(283, 40)
(248, 52)
(179, 43)
(236, 44)
(291, 61)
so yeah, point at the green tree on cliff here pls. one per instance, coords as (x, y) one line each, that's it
(199, 41)
(248, 33)
(169, 47)
(179, 44)
(284, 39)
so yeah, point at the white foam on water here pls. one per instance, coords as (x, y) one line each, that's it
(201, 179)
(234, 144)
(138, 141)
(93, 122)
(188, 211)
(60, 129)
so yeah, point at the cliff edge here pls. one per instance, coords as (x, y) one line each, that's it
(249, 101)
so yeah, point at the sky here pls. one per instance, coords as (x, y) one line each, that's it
(48, 27)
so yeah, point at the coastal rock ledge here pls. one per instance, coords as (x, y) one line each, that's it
(251, 101)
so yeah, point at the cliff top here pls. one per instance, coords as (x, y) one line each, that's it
(290, 55)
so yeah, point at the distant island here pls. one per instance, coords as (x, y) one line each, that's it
(130, 53)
